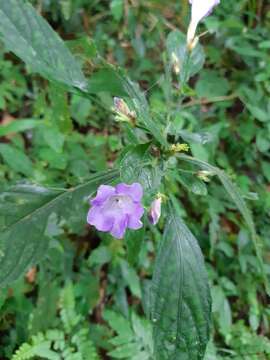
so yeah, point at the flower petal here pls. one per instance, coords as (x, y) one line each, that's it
(202, 8)
(103, 193)
(134, 224)
(119, 227)
(135, 191)
(97, 218)
(135, 216)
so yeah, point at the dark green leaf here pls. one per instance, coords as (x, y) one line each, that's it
(134, 240)
(181, 303)
(237, 198)
(16, 159)
(106, 80)
(192, 183)
(25, 212)
(138, 166)
(30, 37)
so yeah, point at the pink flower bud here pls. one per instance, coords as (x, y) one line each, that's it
(155, 211)
(122, 109)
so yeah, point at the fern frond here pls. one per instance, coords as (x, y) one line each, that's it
(24, 352)
(85, 346)
(39, 346)
(68, 315)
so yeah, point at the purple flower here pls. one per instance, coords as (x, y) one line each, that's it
(115, 209)
(155, 211)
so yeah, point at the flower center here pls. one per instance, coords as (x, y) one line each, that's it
(118, 202)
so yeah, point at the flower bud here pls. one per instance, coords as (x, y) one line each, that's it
(122, 110)
(175, 148)
(205, 175)
(155, 211)
(176, 63)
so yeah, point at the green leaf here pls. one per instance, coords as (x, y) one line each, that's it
(134, 338)
(263, 141)
(141, 108)
(56, 160)
(117, 9)
(16, 159)
(118, 323)
(138, 165)
(134, 241)
(258, 112)
(106, 80)
(211, 84)
(47, 302)
(31, 38)
(125, 351)
(19, 126)
(59, 109)
(187, 64)
(131, 278)
(54, 138)
(27, 351)
(197, 138)
(25, 212)
(180, 299)
(100, 256)
(143, 331)
(192, 183)
(237, 198)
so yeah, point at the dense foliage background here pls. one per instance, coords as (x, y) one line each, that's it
(89, 284)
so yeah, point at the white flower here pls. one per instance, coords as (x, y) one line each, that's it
(200, 9)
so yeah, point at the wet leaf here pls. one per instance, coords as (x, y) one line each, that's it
(181, 303)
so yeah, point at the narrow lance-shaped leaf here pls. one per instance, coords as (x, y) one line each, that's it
(24, 216)
(19, 126)
(31, 38)
(181, 303)
(237, 198)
